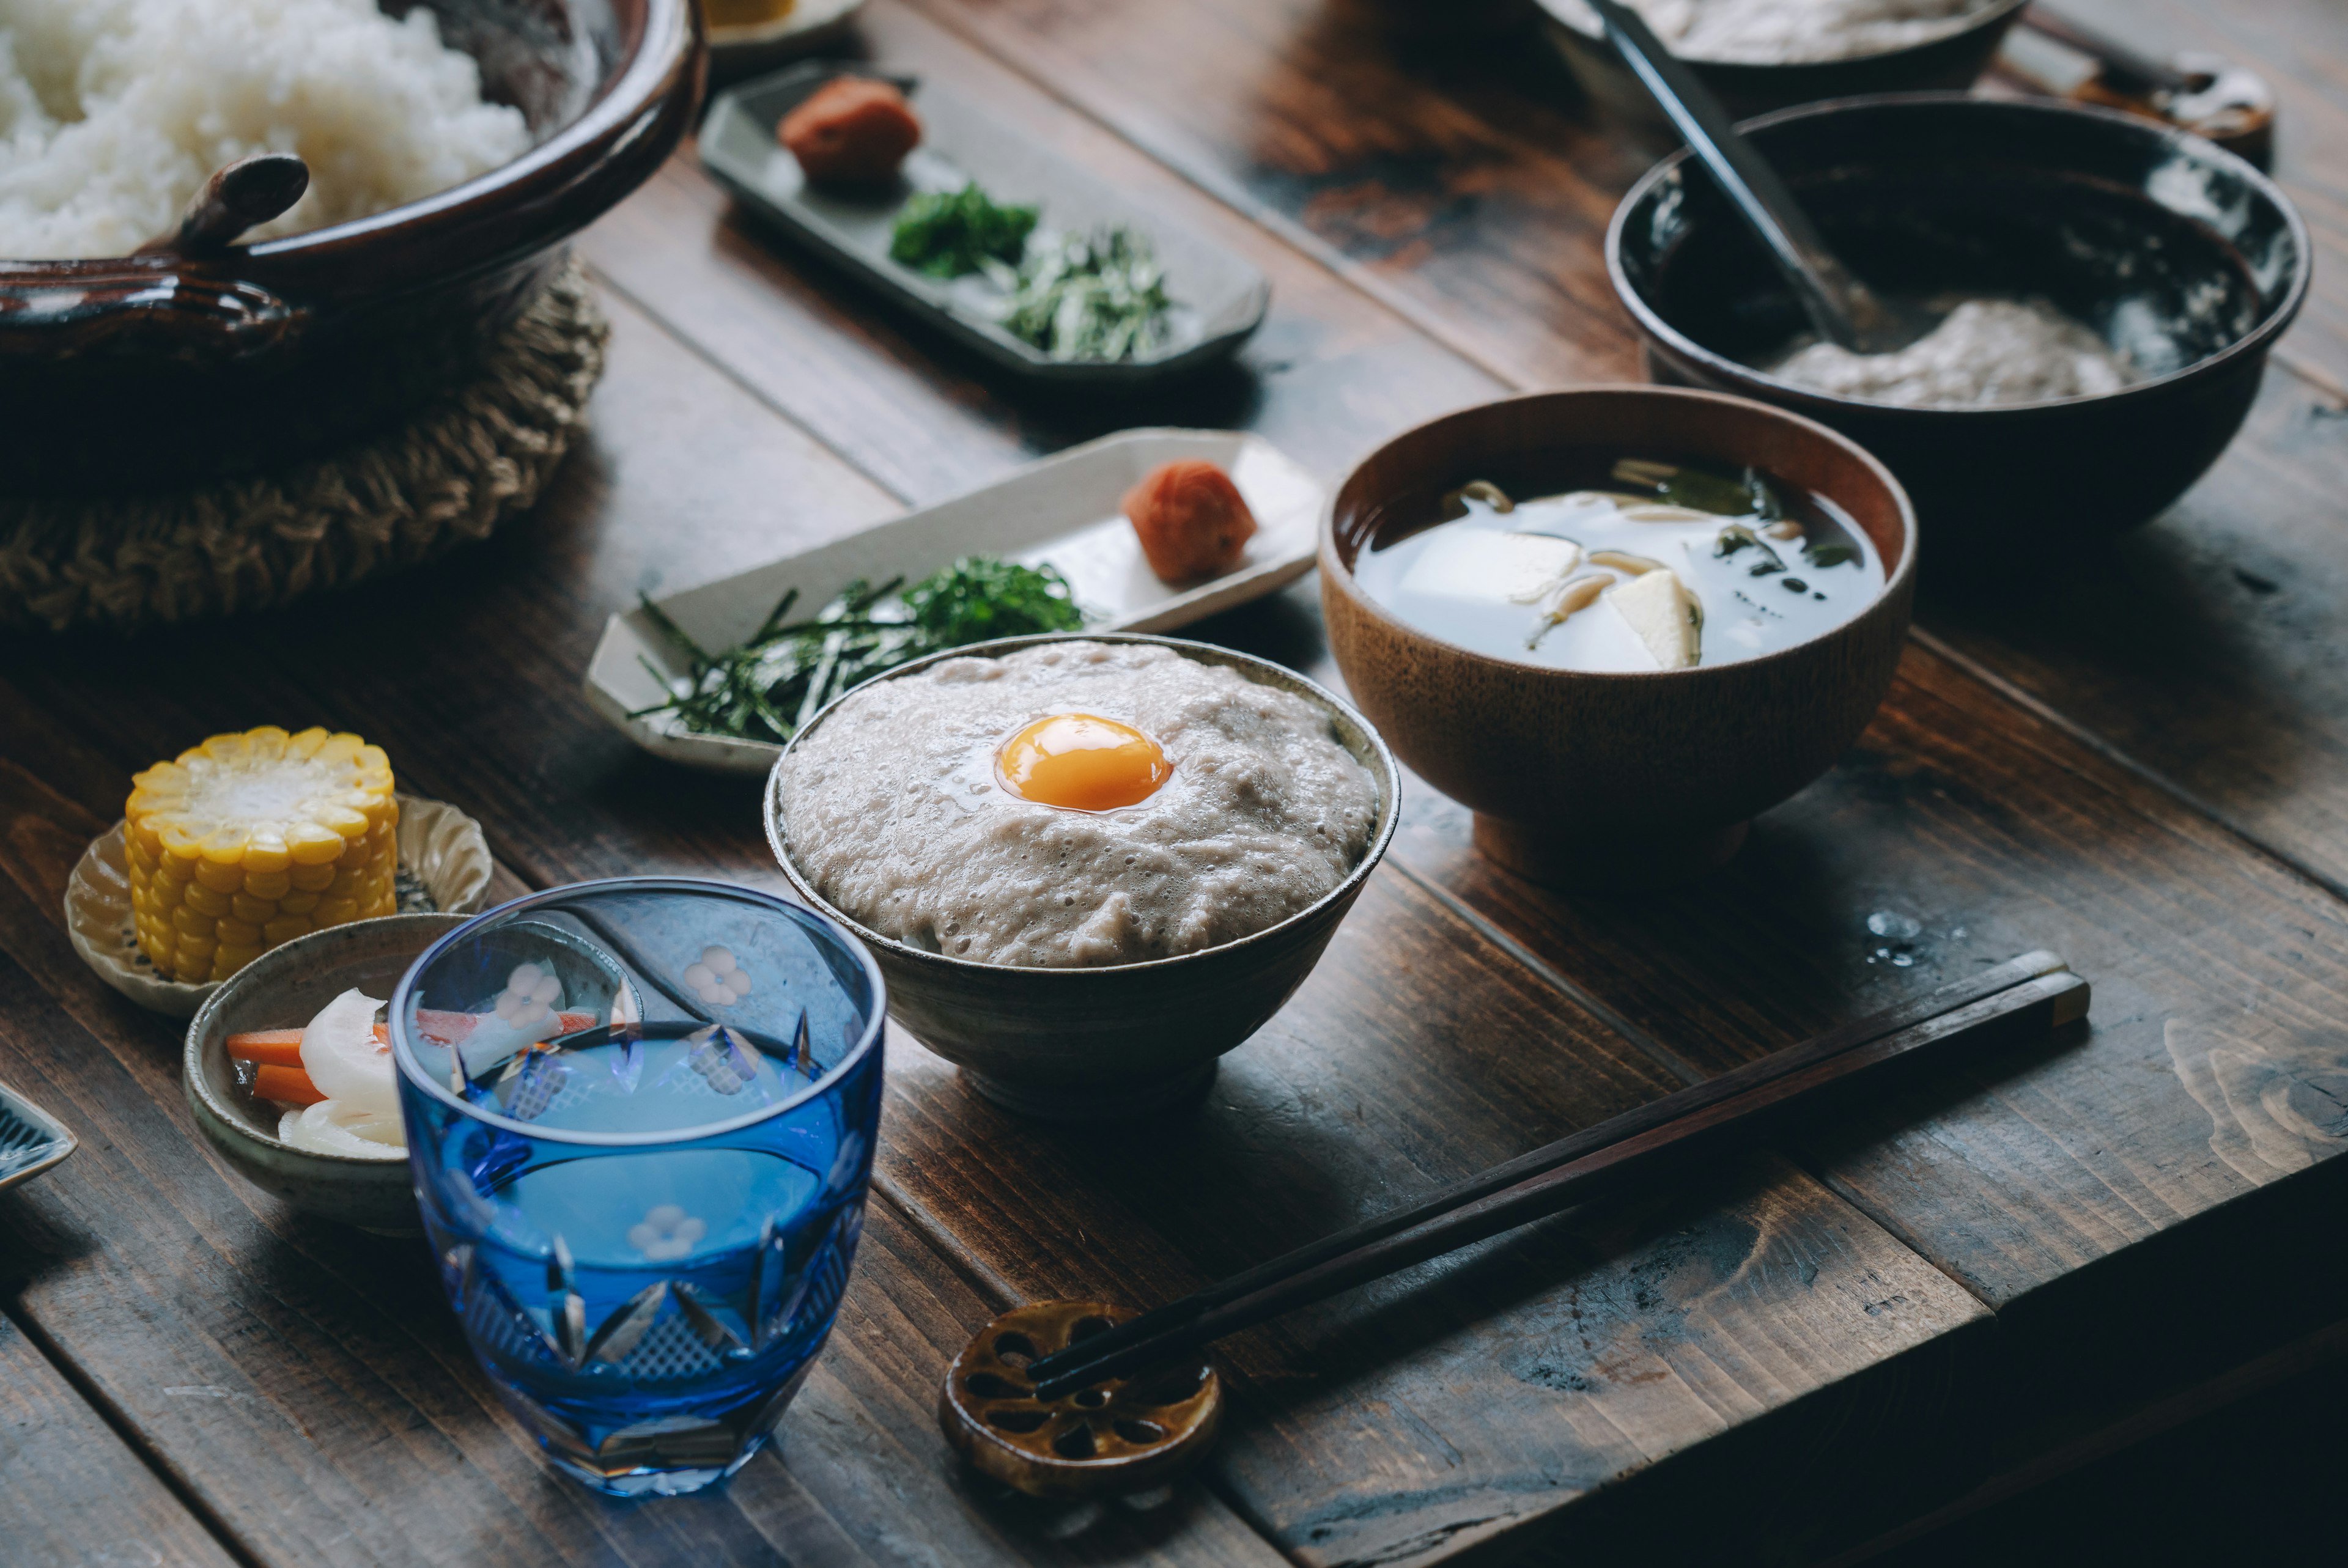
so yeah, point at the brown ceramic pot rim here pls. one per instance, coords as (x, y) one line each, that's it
(620, 111)
(2255, 341)
(191, 1063)
(1989, 14)
(1335, 570)
(1388, 775)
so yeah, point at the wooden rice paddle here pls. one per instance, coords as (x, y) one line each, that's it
(238, 196)
(1068, 1399)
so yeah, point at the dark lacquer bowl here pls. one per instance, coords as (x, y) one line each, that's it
(1122, 1040)
(1952, 60)
(1579, 778)
(154, 368)
(2172, 249)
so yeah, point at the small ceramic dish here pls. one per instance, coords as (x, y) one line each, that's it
(1220, 298)
(738, 49)
(444, 866)
(285, 988)
(1124, 1040)
(2177, 251)
(31, 1139)
(1064, 511)
(1583, 778)
(1951, 60)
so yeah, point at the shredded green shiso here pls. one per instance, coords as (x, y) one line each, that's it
(1099, 296)
(948, 234)
(767, 687)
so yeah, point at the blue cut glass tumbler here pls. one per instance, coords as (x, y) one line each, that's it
(640, 1117)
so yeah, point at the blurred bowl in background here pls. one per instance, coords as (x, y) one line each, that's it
(2175, 250)
(1954, 60)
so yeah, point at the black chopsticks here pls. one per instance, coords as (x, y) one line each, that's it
(2016, 1000)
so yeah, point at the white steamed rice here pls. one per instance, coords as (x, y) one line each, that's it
(113, 113)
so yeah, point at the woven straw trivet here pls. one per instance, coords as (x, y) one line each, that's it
(461, 466)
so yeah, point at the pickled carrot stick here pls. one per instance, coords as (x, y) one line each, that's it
(291, 1085)
(280, 1046)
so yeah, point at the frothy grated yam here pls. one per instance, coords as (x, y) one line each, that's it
(113, 113)
(1986, 352)
(894, 815)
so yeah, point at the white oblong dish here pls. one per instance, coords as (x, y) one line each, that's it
(444, 863)
(1064, 510)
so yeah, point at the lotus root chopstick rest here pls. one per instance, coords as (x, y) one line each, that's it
(1115, 1436)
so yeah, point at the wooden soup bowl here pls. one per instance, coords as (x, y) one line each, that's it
(1119, 1041)
(1586, 779)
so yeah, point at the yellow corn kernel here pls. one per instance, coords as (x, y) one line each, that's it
(252, 839)
(265, 852)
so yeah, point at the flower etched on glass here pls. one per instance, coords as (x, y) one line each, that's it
(530, 996)
(666, 1233)
(717, 978)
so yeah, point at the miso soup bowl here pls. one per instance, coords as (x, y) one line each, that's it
(1122, 1040)
(2171, 248)
(1579, 778)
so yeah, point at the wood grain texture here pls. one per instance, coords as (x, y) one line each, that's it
(1327, 371)
(2237, 701)
(1779, 1310)
(1489, 1393)
(335, 1414)
(2031, 1178)
(77, 1496)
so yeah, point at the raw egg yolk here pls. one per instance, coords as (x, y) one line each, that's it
(1082, 762)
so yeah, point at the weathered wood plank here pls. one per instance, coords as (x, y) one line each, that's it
(2042, 1180)
(77, 1496)
(1768, 1318)
(1459, 179)
(341, 1419)
(1456, 148)
(1492, 1392)
(1327, 371)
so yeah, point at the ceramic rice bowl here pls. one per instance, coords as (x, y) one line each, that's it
(1124, 1040)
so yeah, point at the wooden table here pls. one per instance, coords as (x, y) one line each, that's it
(1927, 1301)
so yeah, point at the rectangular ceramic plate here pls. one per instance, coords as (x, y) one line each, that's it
(31, 1139)
(1220, 298)
(1063, 510)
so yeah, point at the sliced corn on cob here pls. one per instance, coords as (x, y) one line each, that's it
(251, 840)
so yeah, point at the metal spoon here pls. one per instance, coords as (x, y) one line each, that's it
(1843, 310)
(238, 196)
